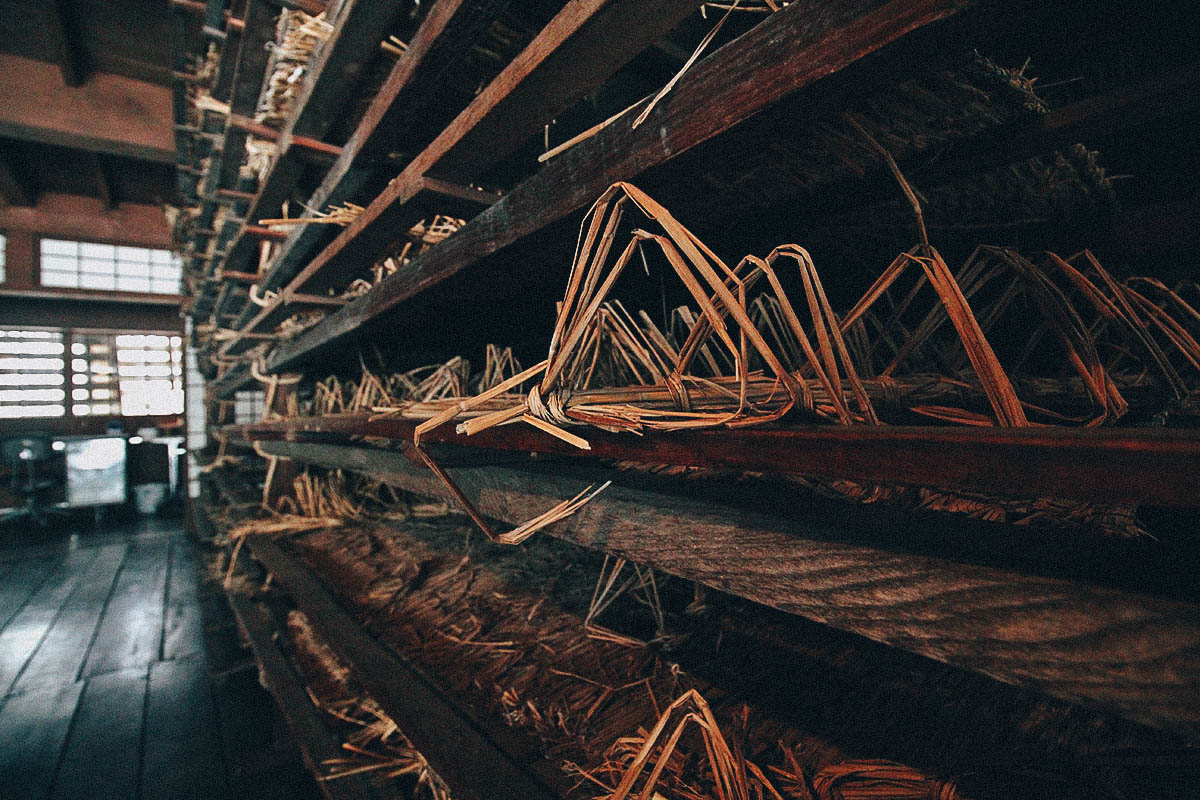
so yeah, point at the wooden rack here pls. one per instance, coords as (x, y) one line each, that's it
(1043, 623)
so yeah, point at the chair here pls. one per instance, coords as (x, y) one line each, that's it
(23, 455)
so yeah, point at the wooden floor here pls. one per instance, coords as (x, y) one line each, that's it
(107, 641)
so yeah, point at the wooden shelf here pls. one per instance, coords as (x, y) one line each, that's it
(355, 38)
(987, 597)
(1072, 640)
(304, 720)
(436, 725)
(782, 54)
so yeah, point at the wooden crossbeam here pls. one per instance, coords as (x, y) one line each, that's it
(103, 181)
(109, 114)
(1105, 465)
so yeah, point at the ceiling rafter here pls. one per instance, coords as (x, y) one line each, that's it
(69, 52)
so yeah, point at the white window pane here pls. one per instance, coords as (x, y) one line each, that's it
(93, 250)
(59, 246)
(133, 270)
(58, 278)
(126, 283)
(96, 266)
(106, 282)
(135, 254)
(59, 263)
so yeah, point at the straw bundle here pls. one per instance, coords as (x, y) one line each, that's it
(505, 646)
(373, 743)
(335, 215)
(260, 155)
(298, 36)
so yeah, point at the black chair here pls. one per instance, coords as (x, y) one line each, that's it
(24, 455)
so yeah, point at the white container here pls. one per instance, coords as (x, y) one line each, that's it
(148, 497)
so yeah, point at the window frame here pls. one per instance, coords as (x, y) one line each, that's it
(115, 261)
(69, 371)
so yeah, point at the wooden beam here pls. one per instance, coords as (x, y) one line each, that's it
(63, 31)
(85, 218)
(473, 761)
(1134, 654)
(16, 186)
(787, 51)
(262, 232)
(109, 114)
(1099, 465)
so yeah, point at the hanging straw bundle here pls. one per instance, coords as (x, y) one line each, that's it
(298, 37)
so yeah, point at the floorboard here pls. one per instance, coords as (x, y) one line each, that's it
(130, 632)
(105, 649)
(102, 753)
(33, 727)
(65, 646)
(19, 586)
(183, 624)
(182, 756)
(26, 629)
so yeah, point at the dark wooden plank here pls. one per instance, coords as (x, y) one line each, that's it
(64, 648)
(252, 55)
(103, 751)
(182, 755)
(183, 625)
(304, 720)
(358, 30)
(33, 727)
(1140, 466)
(439, 730)
(130, 632)
(20, 584)
(235, 378)
(214, 18)
(787, 51)
(24, 632)
(1137, 655)
(576, 52)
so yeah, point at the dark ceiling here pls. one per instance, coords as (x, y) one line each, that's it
(121, 37)
(83, 39)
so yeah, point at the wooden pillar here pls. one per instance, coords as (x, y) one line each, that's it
(20, 259)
